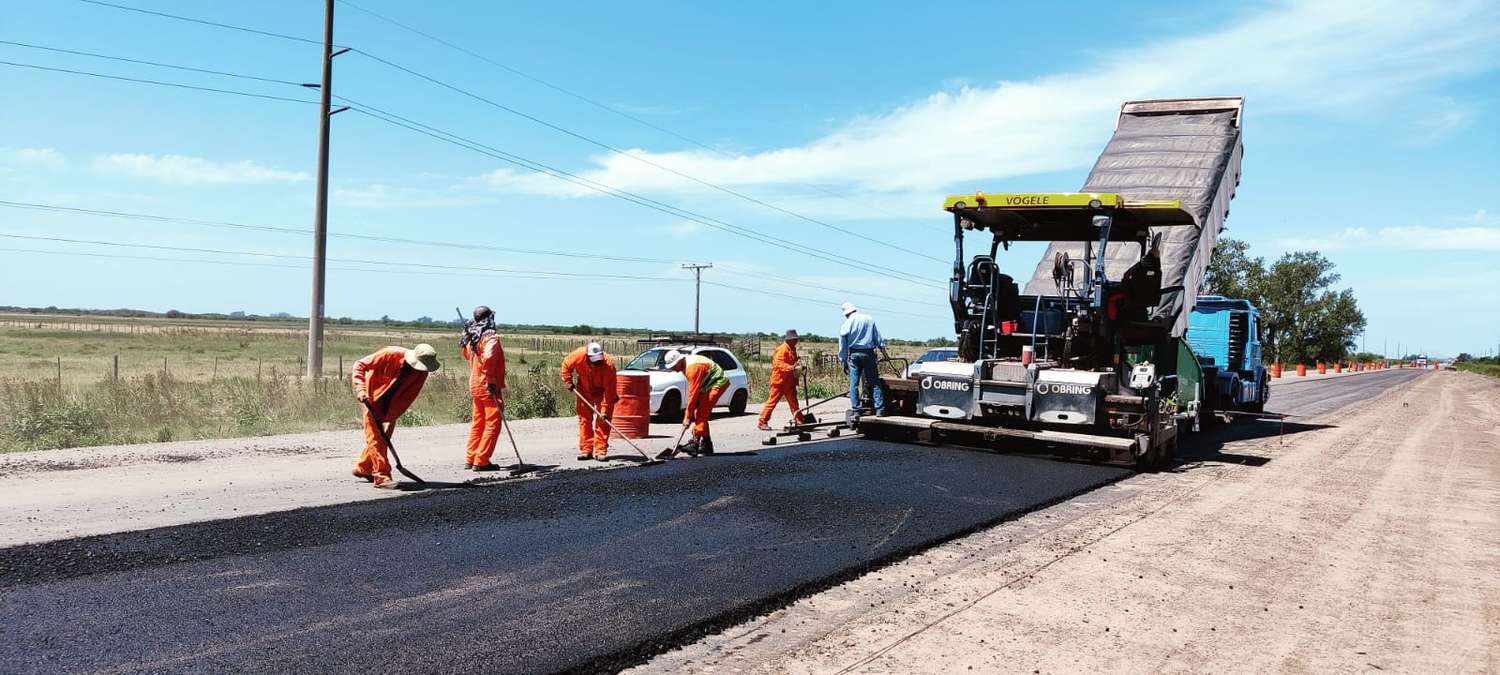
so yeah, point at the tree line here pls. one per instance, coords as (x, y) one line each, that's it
(1303, 319)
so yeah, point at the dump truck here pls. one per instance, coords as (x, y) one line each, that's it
(1225, 335)
(1091, 357)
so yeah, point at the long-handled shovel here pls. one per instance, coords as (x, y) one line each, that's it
(649, 461)
(672, 451)
(389, 445)
(521, 466)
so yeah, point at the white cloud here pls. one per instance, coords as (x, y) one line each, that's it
(33, 158)
(184, 170)
(1340, 56)
(381, 196)
(1407, 238)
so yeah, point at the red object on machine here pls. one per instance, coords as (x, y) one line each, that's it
(632, 413)
(1008, 327)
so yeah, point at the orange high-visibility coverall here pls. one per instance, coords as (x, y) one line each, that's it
(783, 382)
(391, 386)
(486, 370)
(595, 384)
(706, 383)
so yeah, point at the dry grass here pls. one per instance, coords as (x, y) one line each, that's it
(201, 380)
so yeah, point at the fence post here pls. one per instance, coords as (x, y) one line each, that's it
(341, 366)
(117, 368)
(59, 371)
(215, 376)
(164, 366)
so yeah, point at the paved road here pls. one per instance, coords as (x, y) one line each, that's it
(586, 569)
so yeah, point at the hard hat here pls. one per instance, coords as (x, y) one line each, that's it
(790, 335)
(422, 357)
(483, 313)
(595, 352)
(849, 308)
(673, 358)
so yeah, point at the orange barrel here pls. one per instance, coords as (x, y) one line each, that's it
(1301, 370)
(1338, 367)
(632, 413)
(1275, 371)
(1322, 368)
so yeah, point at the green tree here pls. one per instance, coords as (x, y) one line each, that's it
(1302, 319)
(1232, 273)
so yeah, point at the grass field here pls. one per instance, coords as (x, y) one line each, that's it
(73, 382)
(1491, 369)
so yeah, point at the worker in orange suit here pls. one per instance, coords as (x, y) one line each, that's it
(783, 380)
(386, 383)
(706, 382)
(481, 348)
(589, 372)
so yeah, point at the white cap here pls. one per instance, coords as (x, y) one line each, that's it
(672, 358)
(849, 308)
(595, 352)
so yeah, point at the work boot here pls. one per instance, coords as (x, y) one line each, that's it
(764, 427)
(882, 413)
(468, 466)
(602, 456)
(690, 447)
(486, 467)
(363, 476)
(584, 456)
(707, 446)
(387, 484)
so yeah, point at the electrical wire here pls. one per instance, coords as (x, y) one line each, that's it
(159, 83)
(610, 148)
(511, 158)
(569, 92)
(204, 22)
(157, 64)
(340, 235)
(732, 270)
(361, 261)
(803, 298)
(527, 116)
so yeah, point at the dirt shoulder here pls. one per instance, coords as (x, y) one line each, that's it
(1369, 544)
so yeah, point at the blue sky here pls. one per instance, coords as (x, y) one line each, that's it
(1370, 129)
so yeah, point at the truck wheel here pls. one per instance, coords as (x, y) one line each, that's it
(671, 407)
(738, 403)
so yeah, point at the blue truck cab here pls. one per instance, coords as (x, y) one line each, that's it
(1225, 336)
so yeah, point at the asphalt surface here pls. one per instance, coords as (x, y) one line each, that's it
(584, 570)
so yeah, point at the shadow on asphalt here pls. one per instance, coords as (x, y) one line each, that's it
(1208, 446)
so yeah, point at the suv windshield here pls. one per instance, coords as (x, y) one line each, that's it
(647, 360)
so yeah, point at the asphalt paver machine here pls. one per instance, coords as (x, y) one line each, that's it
(1090, 358)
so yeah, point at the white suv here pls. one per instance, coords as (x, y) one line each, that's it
(669, 388)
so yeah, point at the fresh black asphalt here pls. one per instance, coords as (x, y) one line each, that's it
(586, 570)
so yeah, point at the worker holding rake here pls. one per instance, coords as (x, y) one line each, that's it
(481, 348)
(783, 380)
(386, 383)
(589, 372)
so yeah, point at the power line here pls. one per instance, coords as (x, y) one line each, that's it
(448, 137)
(803, 298)
(204, 22)
(541, 168)
(284, 256)
(569, 92)
(638, 158)
(341, 235)
(157, 64)
(730, 269)
(159, 83)
(530, 117)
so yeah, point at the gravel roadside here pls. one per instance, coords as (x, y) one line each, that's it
(1370, 543)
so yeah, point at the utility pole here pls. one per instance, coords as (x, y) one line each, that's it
(320, 201)
(697, 269)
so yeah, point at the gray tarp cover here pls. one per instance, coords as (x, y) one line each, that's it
(1193, 157)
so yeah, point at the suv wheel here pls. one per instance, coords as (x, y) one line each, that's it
(671, 407)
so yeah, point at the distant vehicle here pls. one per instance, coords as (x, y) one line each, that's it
(669, 388)
(938, 354)
(1421, 362)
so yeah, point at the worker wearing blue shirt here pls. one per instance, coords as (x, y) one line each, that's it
(858, 340)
